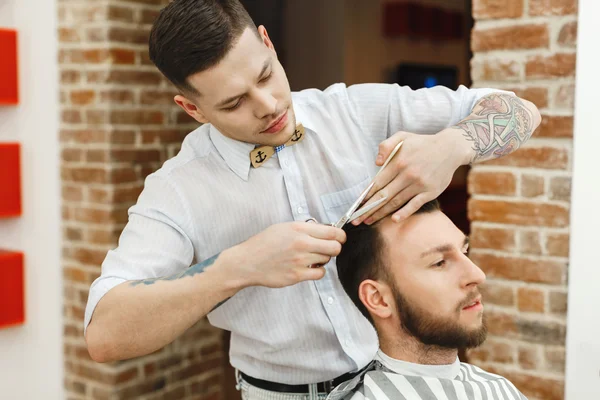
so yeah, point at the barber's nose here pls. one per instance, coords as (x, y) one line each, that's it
(266, 104)
(473, 275)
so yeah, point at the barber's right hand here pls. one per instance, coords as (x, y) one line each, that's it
(281, 255)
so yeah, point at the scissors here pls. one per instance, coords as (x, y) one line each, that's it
(352, 213)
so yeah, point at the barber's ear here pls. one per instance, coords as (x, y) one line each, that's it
(377, 298)
(190, 108)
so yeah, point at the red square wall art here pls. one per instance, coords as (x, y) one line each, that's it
(9, 82)
(12, 291)
(10, 180)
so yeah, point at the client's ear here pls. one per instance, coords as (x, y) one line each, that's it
(377, 298)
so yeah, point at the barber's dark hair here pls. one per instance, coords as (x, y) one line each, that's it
(190, 36)
(363, 257)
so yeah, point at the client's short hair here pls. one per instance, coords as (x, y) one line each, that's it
(362, 257)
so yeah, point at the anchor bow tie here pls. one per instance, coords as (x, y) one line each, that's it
(261, 154)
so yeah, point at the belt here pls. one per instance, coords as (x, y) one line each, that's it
(322, 387)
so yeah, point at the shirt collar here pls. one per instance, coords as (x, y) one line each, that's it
(237, 154)
(447, 371)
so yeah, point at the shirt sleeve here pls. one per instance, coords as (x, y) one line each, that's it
(388, 108)
(154, 242)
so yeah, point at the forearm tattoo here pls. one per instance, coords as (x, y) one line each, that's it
(191, 271)
(498, 125)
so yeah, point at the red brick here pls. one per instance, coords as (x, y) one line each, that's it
(494, 351)
(102, 236)
(560, 188)
(134, 77)
(535, 157)
(492, 238)
(72, 234)
(154, 97)
(565, 97)
(557, 244)
(502, 324)
(92, 215)
(120, 136)
(135, 156)
(84, 174)
(71, 155)
(532, 185)
(492, 182)
(555, 127)
(127, 194)
(497, 293)
(499, 70)
(120, 14)
(529, 357)
(96, 156)
(537, 95)
(568, 34)
(149, 16)
(557, 65)
(558, 302)
(529, 36)
(531, 300)
(96, 117)
(123, 175)
(489, 9)
(530, 243)
(135, 35)
(69, 76)
(136, 117)
(127, 375)
(71, 116)
(74, 275)
(552, 7)
(555, 359)
(519, 213)
(82, 136)
(82, 97)
(71, 193)
(520, 269)
(88, 256)
(66, 35)
(164, 136)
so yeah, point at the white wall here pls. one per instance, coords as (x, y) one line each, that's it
(31, 362)
(583, 319)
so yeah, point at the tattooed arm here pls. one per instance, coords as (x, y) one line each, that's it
(499, 124)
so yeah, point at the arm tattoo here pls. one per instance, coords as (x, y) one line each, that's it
(498, 125)
(191, 271)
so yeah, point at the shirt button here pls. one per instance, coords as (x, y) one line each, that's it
(348, 342)
(300, 210)
(330, 300)
(286, 163)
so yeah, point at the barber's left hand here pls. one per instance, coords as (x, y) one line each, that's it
(420, 172)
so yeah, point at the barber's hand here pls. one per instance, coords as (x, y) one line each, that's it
(280, 255)
(420, 172)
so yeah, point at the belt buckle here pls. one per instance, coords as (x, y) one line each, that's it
(328, 386)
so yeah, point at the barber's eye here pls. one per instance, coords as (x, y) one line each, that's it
(440, 263)
(266, 77)
(233, 107)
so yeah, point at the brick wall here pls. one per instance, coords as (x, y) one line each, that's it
(520, 205)
(118, 124)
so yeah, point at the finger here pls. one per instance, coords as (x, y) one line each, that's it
(400, 184)
(393, 205)
(412, 206)
(386, 176)
(320, 247)
(386, 147)
(309, 274)
(325, 232)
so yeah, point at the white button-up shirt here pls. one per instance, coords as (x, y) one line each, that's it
(208, 198)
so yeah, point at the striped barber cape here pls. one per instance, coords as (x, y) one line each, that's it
(379, 382)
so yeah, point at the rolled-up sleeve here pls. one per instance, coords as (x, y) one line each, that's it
(155, 242)
(389, 108)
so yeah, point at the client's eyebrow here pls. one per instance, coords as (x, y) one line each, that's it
(443, 248)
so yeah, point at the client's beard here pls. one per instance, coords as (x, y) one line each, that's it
(437, 331)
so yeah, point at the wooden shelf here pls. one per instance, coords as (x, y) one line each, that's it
(12, 291)
(9, 72)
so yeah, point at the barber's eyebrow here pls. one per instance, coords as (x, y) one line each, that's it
(443, 248)
(232, 98)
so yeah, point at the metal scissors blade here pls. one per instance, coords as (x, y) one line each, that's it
(348, 216)
(359, 213)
